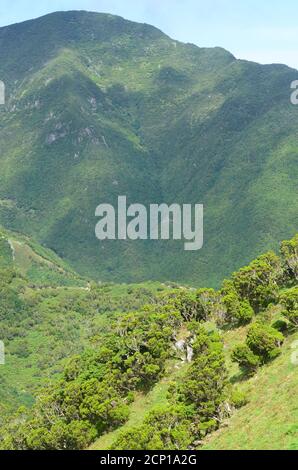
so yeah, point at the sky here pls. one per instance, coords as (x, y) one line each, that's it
(264, 31)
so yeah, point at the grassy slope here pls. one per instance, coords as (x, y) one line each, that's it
(39, 265)
(142, 404)
(268, 421)
(112, 107)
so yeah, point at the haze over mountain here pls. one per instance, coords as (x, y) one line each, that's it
(98, 106)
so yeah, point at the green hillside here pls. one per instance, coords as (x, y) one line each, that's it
(270, 419)
(98, 106)
(153, 367)
(120, 344)
(142, 405)
(40, 266)
(47, 313)
(267, 422)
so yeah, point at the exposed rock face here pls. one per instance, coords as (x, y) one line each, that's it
(189, 355)
(185, 350)
(180, 345)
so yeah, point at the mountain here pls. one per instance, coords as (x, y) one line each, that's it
(98, 106)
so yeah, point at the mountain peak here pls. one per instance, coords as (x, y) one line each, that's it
(103, 25)
(113, 107)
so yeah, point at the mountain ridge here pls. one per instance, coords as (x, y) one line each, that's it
(156, 120)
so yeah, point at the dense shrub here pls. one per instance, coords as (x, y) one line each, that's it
(209, 306)
(205, 383)
(289, 300)
(280, 325)
(247, 360)
(262, 344)
(197, 403)
(165, 428)
(264, 341)
(289, 251)
(259, 281)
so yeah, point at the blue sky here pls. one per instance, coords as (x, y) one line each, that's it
(262, 30)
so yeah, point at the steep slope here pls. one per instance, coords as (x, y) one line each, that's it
(269, 420)
(151, 366)
(143, 404)
(48, 312)
(40, 266)
(99, 107)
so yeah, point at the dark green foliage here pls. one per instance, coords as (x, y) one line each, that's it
(245, 313)
(197, 403)
(186, 303)
(259, 281)
(197, 305)
(5, 253)
(237, 310)
(264, 341)
(13, 310)
(167, 428)
(280, 325)
(289, 300)
(247, 360)
(208, 305)
(289, 251)
(20, 348)
(204, 385)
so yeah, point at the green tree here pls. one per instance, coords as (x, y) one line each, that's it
(165, 428)
(259, 281)
(204, 385)
(289, 300)
(289, 251)
(264, 341)
(247, 360)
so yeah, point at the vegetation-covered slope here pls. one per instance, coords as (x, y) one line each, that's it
(40, 266)
(269, 421)
(48, 313)
(193, 360)
(99, 107)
